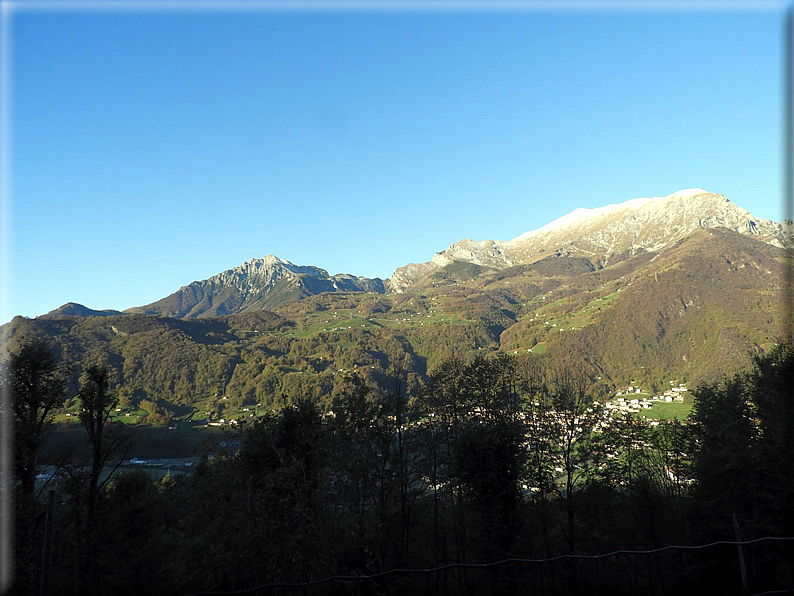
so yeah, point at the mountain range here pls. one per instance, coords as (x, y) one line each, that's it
(600, 235)
(683, 287)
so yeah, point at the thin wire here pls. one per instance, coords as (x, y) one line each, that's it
(502, 562)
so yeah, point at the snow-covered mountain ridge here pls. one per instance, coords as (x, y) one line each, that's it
(642, 224)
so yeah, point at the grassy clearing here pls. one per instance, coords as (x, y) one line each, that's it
(389, 323)
(606, 299)
(668, 411)
(129, 416)
(565, 322)
(341, 320)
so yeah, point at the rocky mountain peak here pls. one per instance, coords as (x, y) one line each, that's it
(271, 260)
(256, 284)
(487, 252)
(692, 192)
(641, 224)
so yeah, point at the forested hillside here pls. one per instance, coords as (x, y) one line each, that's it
(692, 313)
(487, 460)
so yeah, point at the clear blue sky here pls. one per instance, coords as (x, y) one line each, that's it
(152, 150)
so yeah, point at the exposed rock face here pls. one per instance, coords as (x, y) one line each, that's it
(488, 253)
(258, 275)
(257, 284)
(405, 276)
(645, 224)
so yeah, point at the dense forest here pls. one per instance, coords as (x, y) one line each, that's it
(485, 459)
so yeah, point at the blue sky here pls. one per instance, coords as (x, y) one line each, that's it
(150, 150)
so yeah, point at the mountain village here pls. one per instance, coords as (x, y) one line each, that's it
(630, 401)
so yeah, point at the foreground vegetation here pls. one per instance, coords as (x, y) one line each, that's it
(489, 458)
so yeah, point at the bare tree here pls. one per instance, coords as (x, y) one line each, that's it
(97, 403)
(572, 418)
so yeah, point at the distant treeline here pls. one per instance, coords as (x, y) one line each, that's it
(490, 458)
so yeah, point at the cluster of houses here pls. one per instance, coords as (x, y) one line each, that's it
(625, 401)
(223, 421)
